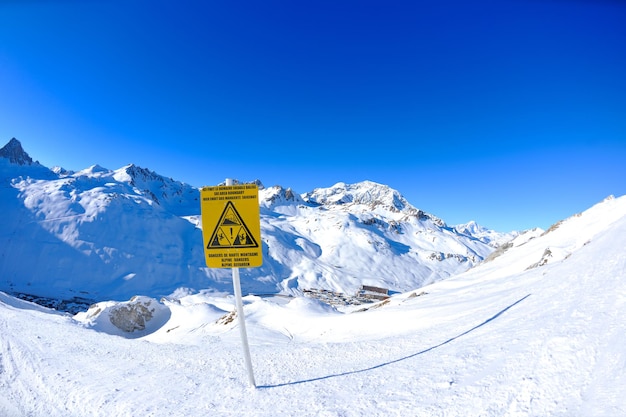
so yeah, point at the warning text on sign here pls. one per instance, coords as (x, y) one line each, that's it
(231, 226)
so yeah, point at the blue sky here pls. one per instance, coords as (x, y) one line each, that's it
(510, 113)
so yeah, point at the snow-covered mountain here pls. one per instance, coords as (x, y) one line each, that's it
(537, 330)
(110, 234)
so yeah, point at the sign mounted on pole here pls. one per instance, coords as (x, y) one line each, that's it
(231, 231)
(231, 226)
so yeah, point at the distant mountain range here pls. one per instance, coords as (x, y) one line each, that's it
(105, 234)
(536, 328)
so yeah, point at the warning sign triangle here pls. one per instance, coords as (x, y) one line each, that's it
(231, 231)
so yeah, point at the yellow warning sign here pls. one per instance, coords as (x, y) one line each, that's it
(231, 226)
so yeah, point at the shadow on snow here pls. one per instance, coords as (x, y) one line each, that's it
(399, 359)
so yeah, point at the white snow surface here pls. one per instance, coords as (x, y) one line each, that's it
(537, 330)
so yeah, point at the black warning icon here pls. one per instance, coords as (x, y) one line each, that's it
(231, 231)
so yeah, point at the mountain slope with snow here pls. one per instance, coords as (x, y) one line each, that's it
(515, 336)
(365, 233)
(110, 234)
(89, 234)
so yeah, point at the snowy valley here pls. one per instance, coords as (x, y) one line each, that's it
(478, 323)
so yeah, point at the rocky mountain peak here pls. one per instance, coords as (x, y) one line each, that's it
(366, 193)
(278, 195)
(143, 175)
(14, 152)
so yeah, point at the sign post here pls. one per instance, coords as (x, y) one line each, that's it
(231, 230)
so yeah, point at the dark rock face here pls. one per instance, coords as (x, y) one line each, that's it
(14, 152)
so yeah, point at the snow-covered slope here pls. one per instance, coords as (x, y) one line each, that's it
(345, 236)
(90, 234)
(110, 234)
(529, 333)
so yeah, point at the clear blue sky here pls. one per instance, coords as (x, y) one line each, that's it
(510, 113)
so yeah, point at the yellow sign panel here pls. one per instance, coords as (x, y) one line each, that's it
(231, 226)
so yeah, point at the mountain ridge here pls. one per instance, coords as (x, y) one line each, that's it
(104, 233)
(14, 152)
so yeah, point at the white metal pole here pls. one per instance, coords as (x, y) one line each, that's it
(242, 318)
(242, 325)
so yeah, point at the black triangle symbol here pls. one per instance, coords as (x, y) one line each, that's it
(231, 231)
